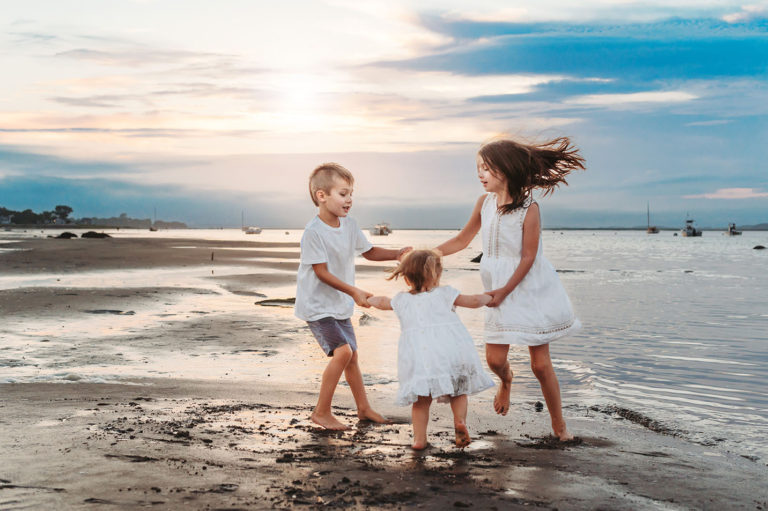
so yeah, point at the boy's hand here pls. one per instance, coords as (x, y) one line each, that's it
(361, 297)
(402, 252)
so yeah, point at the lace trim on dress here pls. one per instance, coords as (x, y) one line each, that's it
(497, 327)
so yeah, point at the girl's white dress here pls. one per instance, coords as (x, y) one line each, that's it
(538, 310)
(435, 355)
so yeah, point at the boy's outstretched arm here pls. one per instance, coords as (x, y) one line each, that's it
(381, 302)
(472, 301)
(326, 277)
(386, 254)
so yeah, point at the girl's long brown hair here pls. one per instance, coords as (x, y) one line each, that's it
(526, 167)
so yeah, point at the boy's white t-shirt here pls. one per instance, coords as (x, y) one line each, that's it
(337, 247)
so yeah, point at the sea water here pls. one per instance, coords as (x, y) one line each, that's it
(673, 328)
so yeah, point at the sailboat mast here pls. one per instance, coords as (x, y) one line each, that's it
(649, 213)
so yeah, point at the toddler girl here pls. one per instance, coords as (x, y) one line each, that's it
(436, 357)
(529, 305)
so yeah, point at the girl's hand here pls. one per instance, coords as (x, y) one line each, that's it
(497, 296)
(402, 252)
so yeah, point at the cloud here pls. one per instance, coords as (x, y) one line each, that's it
(730, 194)
(618, 100)
(136, 57)
(717, 122)
(506, 15)
(748, 13)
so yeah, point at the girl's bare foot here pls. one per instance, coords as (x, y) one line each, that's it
(420, 445)
(328, 422)
(462, 435)
(501, 400)
(565, 436)
(371, 415)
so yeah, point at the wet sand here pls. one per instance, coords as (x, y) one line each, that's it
(245, 441)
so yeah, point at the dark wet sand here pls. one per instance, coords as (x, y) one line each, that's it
(181, 444)
(193, 445)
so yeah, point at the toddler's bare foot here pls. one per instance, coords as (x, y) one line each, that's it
(501, 400)
(328, 422)
(371, 415)
(419, 445)
(462, 435)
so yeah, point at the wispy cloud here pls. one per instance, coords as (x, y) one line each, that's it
(716, 122)
(135, 56)
(730, 194)
(619, 100)
(748, 13)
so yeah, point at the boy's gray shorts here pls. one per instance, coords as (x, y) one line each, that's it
(332, 333)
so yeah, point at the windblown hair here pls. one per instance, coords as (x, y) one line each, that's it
(527, 167)
(421, 268)
(322, 178)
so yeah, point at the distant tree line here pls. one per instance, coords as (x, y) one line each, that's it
(60, 214)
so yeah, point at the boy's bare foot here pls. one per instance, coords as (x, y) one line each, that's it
(462, 435)
(420, 445)
(501, 400)
(328, 422)
(371, 415)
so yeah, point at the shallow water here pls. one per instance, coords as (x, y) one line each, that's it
(674, 328)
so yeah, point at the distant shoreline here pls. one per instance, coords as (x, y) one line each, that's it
(760, 228)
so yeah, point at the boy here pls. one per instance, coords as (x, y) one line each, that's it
(326, 294)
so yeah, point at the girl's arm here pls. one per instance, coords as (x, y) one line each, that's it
(462, 240)
(471, 301)
(531, 234)
(381, 302)
(385, 254)
(325, 276)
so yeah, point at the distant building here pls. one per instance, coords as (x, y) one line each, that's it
(5, 220)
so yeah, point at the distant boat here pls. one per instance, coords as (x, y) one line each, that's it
(245, 229)
(152, 227)
(652, 229)
(381, 229)
(732, 230)
(689, 230)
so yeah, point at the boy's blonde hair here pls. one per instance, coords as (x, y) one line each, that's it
(322, 178)
(421, 268)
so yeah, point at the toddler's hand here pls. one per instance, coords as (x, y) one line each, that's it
(380, 302)
(361, 297)
(497, 296)
(402, 252)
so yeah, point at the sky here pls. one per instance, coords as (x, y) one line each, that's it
(211, 111)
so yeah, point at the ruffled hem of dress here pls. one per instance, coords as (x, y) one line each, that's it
(442, 386)
(519, 338)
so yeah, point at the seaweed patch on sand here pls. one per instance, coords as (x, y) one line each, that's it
(638, 418)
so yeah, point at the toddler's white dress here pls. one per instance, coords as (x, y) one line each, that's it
(538, 310)
(435, 355)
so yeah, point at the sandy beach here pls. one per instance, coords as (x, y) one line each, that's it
(237, 438)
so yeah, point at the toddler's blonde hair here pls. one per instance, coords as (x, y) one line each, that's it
(420, 268)
(322, 178)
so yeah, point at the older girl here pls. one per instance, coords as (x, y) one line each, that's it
(529, 305)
